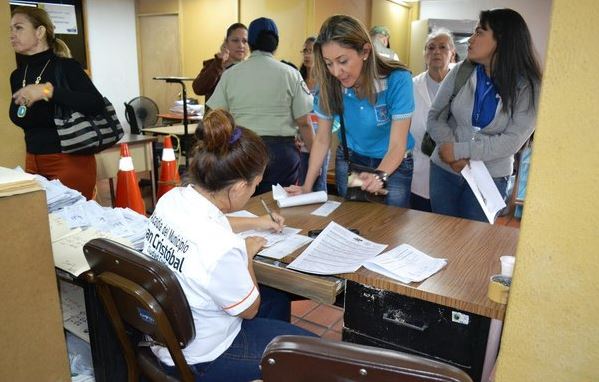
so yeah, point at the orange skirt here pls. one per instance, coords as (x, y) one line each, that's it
(74, 171)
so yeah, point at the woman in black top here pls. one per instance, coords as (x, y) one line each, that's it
(35, 95)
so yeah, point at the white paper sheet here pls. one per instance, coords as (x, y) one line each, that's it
(271, 237)
(326, 209)
(483, 187)
(284, 200)
(241, 214)
(73, 310)
(406, 264)
(336, 250)
(68, 251)
(285, 247)
(59, 228)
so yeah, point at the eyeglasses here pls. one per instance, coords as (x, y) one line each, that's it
(306, 51)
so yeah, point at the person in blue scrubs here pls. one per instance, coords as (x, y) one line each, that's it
(374, 97)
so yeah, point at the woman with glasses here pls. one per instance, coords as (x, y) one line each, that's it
(439, 50)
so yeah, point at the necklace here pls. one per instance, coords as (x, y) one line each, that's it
(22, 110)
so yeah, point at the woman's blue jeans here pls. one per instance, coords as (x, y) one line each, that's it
(240, 361)
(398, 184)
(451, 195)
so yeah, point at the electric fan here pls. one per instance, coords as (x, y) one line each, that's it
(146, 112)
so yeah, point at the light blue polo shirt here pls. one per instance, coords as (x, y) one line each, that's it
(368, 127)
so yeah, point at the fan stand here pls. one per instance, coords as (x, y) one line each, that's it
(179, 80)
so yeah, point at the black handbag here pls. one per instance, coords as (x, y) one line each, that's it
(85, 134)
(356, 193)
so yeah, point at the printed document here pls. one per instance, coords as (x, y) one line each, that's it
(336, 250)
(406, 264)
(483, 187)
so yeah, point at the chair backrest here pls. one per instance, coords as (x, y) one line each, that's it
(144, 294)
(297, 358)
(131, 118)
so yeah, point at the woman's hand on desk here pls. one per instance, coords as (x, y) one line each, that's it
(275, 224)
(295, 190)
(253, 244)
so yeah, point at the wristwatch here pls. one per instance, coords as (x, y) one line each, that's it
(383, 177)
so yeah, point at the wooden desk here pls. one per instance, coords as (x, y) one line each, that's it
(140, 148)
(178, 117)
(459, 290)
(178, 130)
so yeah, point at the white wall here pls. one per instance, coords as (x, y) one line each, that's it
(536, 13)
(112, 47)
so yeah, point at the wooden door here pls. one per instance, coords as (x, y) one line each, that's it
(159, 47)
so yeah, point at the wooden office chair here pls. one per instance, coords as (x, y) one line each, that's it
(298, 359)
(147, 296)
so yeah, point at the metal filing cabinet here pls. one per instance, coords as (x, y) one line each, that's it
(389, 320)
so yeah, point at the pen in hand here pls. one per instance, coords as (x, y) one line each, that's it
(267, 210)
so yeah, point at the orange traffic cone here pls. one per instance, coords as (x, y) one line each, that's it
(127, 190)
(169, 174)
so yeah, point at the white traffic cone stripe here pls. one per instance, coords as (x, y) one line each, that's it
(126, 164)
(168, 154)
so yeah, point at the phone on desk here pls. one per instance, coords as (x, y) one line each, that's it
(315, 232)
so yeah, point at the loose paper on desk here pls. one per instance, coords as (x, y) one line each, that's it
(271, 237)
(285, 247)
(68, 251)
(284, 200)
(483, 187)
(406, 264)
(326, 209)
(336, 250)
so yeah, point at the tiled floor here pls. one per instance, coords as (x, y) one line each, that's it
(323, 320)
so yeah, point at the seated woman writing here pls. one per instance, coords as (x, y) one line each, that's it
(234, 319)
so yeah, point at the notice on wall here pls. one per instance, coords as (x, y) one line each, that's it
(62, 16)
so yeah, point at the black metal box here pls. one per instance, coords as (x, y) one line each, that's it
(389, 320)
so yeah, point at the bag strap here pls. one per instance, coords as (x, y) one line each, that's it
(344, 141)
(464, 72)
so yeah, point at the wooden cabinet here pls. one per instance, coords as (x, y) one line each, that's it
(31, 332)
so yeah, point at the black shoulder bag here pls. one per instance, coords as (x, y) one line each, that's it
(84, 134)
(464, 71)
(354, 190)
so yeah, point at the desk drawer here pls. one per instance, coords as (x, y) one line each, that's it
(387, 319)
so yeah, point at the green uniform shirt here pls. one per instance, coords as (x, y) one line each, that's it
(263, 95)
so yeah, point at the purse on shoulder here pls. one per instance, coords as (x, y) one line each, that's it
(464, 71)
(85, 134)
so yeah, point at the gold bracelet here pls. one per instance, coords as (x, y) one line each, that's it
(46, 91)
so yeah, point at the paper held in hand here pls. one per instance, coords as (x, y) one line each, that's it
(284, 200)
(483, 187)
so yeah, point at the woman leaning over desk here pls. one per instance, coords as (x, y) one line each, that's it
(35, 94)
(374, 97)
(234, 320)
(491, 117)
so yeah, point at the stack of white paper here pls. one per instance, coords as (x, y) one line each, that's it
(284, 200)
(120, 222)
(285, 247)
(57, 195)
(406, 264)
